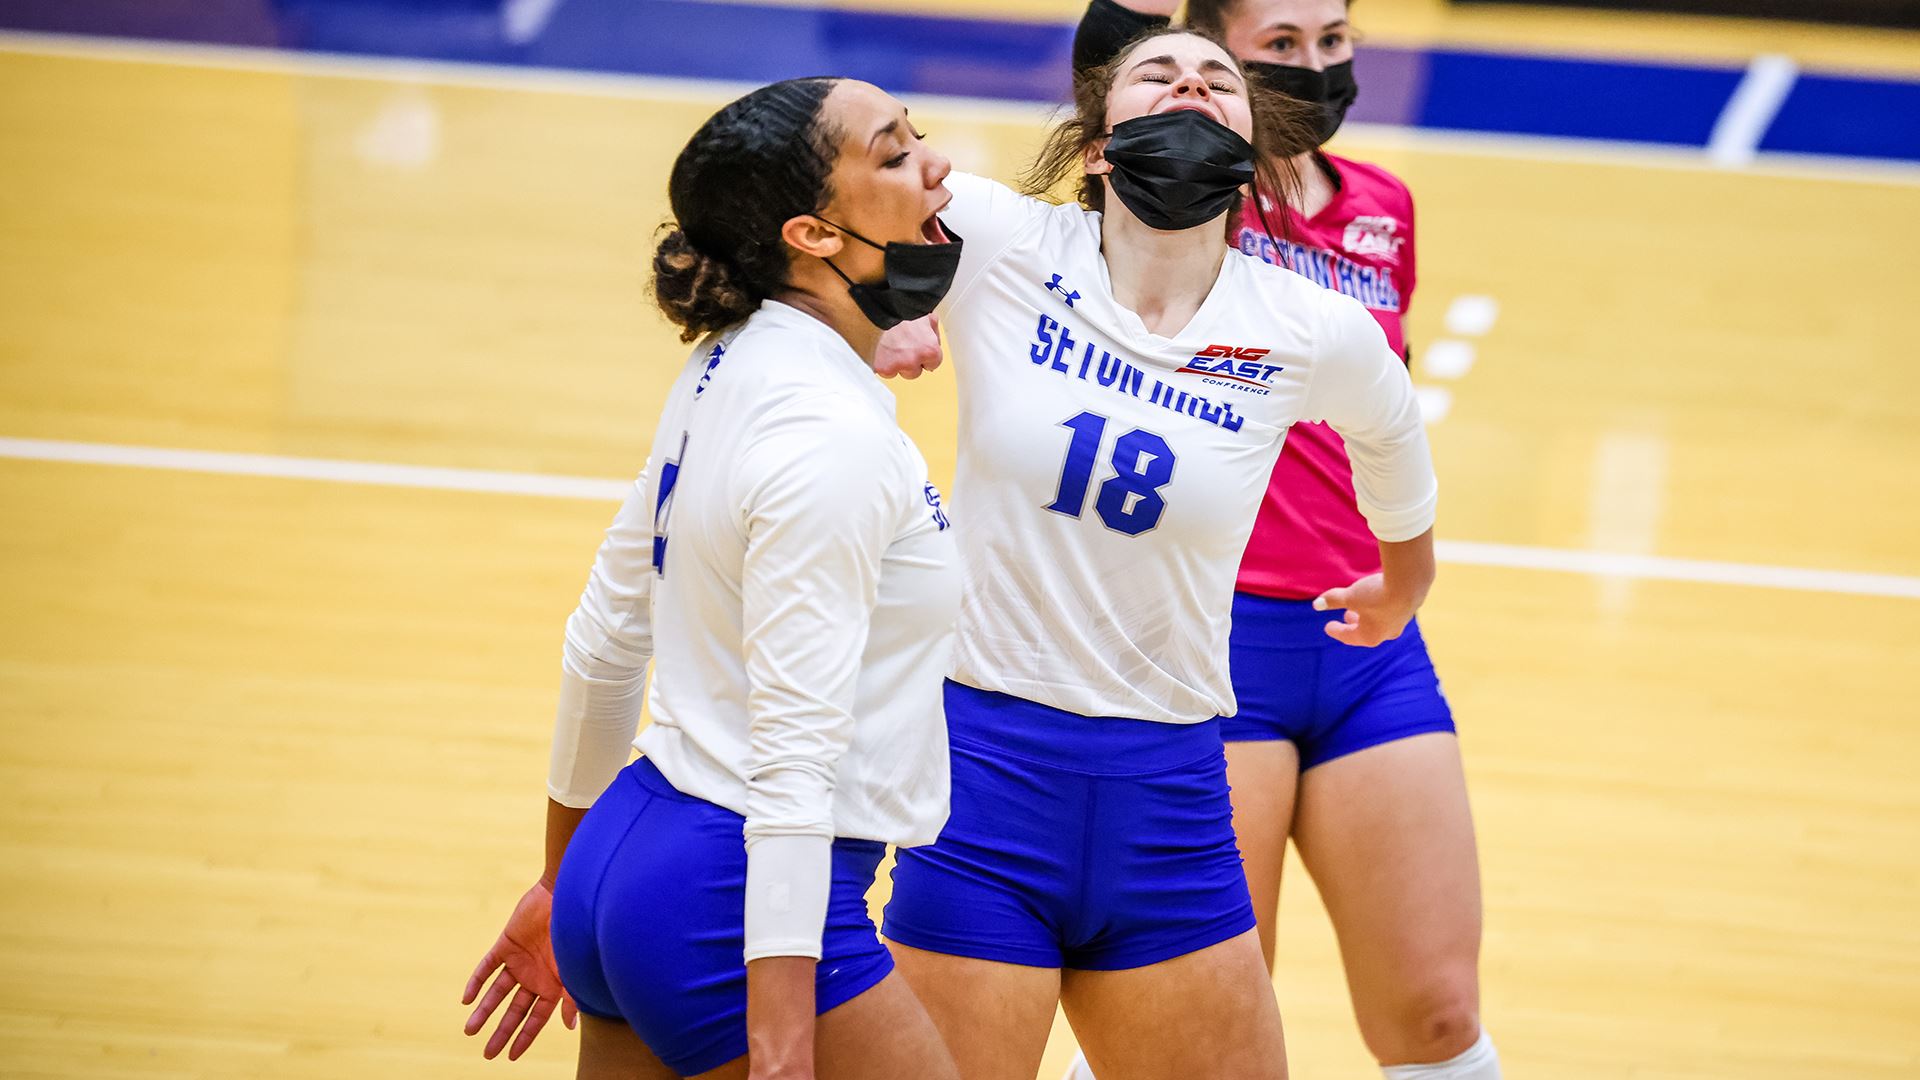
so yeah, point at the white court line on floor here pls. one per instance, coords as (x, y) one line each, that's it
(1447, 359)
(1663, 568)
(1749, 112)
(1435, 403)
(1472, 315)
(1465, 552)
(540, 485)
(714, 92)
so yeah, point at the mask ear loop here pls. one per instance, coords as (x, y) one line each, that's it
(855, 235)
(1106, 177)
(843, 274)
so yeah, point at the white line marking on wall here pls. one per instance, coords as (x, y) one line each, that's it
(1607, 153)
(522, 21)
(1750, 111)
(714, 92)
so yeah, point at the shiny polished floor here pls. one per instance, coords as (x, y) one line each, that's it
(274, 748)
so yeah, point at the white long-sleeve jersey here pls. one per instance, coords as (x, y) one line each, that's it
(1109, 478)
(803, 593)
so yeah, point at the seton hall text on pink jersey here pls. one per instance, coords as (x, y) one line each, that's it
(1310, 536)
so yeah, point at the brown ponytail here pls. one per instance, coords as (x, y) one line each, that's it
(698, 292)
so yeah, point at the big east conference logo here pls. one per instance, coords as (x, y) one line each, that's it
(1236, 367)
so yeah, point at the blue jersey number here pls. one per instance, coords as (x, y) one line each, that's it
(1129, 502)
(663, 507)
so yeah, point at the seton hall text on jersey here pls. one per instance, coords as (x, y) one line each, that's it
(1056, 348)
(1329, 270)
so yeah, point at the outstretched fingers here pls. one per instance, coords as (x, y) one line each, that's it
(488, 964)
(537, 1018)
(523, 1002)
(497, 993)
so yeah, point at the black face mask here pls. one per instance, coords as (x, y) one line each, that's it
(1176, 170)
(917, 279)
(1333, 90)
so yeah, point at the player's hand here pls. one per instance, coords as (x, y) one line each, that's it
(909, 349)
(1374, 613)
(524, 957)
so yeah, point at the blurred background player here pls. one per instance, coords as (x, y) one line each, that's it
(1352, 752)
(789, 563)
(1110, 469)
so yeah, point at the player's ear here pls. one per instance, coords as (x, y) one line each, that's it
(1094, 158)
(811, 236)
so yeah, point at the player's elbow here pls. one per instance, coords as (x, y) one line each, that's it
(592, 651)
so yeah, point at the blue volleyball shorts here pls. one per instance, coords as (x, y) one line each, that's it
(648, 917)
(1094, 843)
(1327, 698)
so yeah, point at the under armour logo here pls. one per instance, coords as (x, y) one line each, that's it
(1055, 286)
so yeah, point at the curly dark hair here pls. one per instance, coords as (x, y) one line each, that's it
(756, 163)
(1282, 129)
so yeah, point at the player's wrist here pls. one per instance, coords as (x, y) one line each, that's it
(1398, 592)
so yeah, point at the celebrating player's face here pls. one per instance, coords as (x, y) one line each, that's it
(1180, 71)
(888, 182)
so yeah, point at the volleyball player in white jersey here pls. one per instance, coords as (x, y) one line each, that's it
(1350, 753)
(791, 568)
(1125, 383)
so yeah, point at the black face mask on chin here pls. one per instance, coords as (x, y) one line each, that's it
(1177, 170)
(917, 279)
(1333, 90)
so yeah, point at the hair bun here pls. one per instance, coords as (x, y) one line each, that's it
(698, 292)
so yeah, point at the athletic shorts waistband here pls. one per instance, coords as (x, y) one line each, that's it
(1276, 612)
(649, 776)
(1089, 745)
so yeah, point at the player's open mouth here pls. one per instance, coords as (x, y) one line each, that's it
(931, 230)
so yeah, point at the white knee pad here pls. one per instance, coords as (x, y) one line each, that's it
(1478, 1062)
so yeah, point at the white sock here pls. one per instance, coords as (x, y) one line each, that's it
(1478, 1062)
(1079, 1070)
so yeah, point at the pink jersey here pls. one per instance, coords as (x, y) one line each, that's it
(1310, 536)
